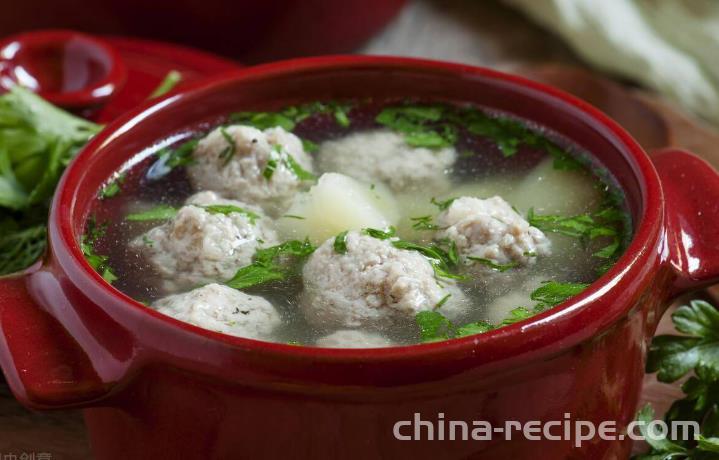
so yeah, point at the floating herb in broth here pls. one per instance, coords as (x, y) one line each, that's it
(577, 214)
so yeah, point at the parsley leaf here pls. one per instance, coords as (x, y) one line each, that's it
(171, 80)
(161, 212)
(100, 263)
(423, 223)
(268, 266)
(296, 168)
(674, 356)
(493, 265)
(391, 232)
(112, 188)
(227, 209)
(433, 326)
(170, 158)
(443, 205)
(552, 293)
(340, 243)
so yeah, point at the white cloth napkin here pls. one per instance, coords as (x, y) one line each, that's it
(671, 46)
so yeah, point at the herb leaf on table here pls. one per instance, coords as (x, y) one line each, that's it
(673, 357)
(37, 141)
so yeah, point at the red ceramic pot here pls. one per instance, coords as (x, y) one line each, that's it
(249, 30)
(153, 387)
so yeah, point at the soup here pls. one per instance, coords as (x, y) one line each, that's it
(358, 224)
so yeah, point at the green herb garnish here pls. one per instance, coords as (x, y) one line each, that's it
(434, 326)
(391, 232)
(269, 170)
(289, 117)
(231, 149)
(170, 158)
(112, 188)
(161, 212)
(227, 209)
(423, 223)
(673, 357)
(552, 293)
(340, 243)
(100, 263)
(443, 205)
(442, 301)
(494, 265)
(268, 267)
(309, 146)
(297, 170)
(172, 79)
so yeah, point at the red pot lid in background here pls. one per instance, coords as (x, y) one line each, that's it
(248, 30)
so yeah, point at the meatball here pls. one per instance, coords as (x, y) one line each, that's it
(352, 338)
(220, 308)
(201, 245)
(372, 284)
(384, 156)
(491, 229)
(258, 167)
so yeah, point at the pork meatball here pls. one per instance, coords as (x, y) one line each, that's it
(384, 156)
(372, 284)
(258, 167)
(220, 308)
(491, 230)
(352, 338)
(208, 240)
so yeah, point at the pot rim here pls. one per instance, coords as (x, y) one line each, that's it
(559, 328)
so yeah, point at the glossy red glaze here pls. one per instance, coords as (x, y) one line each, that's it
(249, 30)
(67, 68)
(155, 387)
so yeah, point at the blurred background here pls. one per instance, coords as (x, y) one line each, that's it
(651, 64)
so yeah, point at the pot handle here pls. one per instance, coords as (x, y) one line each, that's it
(691, 194)
(43, 364)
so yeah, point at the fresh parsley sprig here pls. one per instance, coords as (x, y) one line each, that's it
(673, 357)
(434, 326)
(272, 264)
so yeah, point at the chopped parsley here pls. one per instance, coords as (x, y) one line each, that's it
(269, 264)
(112, 188)
(292, 216)
(442, 301)
(309, 146)
(227, 209)
(552, 293)
(434, 326)
(340, 243)
(608, 224)
(493, 265)
(99, 263)
(391, 232)
(171, 80)
(423, 223)
(443, 205)
(170, 158)
(231, 149)
(297, 170)
(289, 117)
(438, 126)
(161, 212)
(270, 168)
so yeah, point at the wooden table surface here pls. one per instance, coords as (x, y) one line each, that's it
(471, 31)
